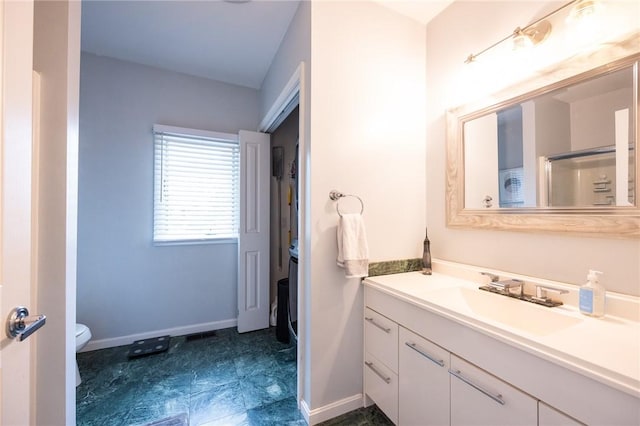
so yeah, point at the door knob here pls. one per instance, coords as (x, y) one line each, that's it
(21, 325)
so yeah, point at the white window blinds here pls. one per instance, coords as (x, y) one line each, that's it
(196, 185)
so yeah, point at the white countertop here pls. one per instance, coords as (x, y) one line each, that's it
(606, 349)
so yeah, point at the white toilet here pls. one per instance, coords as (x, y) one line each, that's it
(83, 335)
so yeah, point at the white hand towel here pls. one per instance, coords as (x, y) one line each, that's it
(353, 251)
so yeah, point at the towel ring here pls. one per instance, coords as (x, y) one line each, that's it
(336, 195)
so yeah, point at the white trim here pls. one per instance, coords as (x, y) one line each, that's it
(297, 86)
(332, 410)
(195, 242)
(289, 92)
(161, 128)
(175, 331)
(304, 408)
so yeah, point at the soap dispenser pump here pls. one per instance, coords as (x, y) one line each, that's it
(426, 254)
(592, 295)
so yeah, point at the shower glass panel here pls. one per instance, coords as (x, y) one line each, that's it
(588, 179)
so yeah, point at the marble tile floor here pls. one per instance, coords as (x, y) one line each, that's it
(226, 379)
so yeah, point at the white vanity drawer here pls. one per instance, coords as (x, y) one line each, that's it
(478, 398)
(381, 384)
(381, 338)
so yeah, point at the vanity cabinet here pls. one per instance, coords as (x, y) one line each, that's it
(478, 398)
(381, 362)
(422, 368)
(423, 381)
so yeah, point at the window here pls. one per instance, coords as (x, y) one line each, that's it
(196, 185)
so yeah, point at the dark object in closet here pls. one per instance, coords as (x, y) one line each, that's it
(153, 345)
(282, 315)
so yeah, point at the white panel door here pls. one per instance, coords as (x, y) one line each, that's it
(480, 399)
(253, 242)
(16, 64)
(423, 389)
(548, 416)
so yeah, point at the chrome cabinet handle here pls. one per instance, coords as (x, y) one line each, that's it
(375, 370)
(21, 325)
(422, 352)
(496, 398)
(383, 328)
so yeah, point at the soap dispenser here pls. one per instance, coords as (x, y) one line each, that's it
(592, 295)
(426, 254)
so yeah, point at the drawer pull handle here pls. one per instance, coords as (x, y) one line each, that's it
(372, 321)
(422, 352)
(496, 398)
(375, 370)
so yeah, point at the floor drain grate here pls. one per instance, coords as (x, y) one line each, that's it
(198, 336)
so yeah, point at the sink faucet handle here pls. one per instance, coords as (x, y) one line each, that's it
(542, 290)
(494, 278)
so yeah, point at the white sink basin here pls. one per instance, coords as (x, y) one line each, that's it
(518, 314)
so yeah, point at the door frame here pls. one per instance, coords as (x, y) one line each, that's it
(297, 87)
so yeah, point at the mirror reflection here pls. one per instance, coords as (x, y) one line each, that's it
(572, 147)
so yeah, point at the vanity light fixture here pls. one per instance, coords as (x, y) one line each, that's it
(536, 32)
(531, 36)
(583, 9)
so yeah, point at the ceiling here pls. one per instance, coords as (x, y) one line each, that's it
(232, 41)
(419, 10)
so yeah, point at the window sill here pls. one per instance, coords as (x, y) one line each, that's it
(195, 242)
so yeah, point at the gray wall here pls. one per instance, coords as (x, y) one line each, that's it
(126, 286)
(295, 47)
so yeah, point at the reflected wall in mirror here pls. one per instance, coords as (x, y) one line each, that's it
(571, 147)
(555, 153)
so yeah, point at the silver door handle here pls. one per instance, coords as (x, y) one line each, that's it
(375, 370)
(496, 398)
(424, 353)
(381, 327)
(21, 325)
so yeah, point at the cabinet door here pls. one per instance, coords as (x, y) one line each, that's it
(381, 384)
(478, 398)
(549, 416)
(381, 338)
(423, 381)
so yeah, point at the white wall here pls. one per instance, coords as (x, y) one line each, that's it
(593, 119)
(126, 286)
(56, 57)
(367, 138)
(467, 27)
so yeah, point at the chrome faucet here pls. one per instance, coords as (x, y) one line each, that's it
(494, 278)
(505, 288)
(507, 285)
(542, 290)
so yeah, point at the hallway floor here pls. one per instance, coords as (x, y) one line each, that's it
(225, 379)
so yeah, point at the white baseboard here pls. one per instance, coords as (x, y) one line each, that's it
(176, 331)
(335, 409)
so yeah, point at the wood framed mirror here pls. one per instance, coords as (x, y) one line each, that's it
(555, 153)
